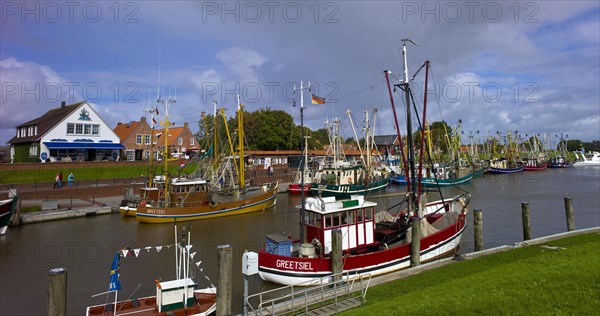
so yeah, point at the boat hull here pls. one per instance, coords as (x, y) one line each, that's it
(294, 188)
(432, 182)
(492, 170)
(293, 270)
(346, 190)
(245, 204)
(6, 211)
(535, 168)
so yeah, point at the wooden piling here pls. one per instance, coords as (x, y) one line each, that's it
(224, 288)
(526, 222)
(15, 218)
(57, 292)
(569, 213)
(478, 229)
(336, 254)
(415, 242)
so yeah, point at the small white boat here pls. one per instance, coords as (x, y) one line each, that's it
(582, 160)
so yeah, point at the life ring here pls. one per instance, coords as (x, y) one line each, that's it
(349, 180)
(161, 195)
(143, 203)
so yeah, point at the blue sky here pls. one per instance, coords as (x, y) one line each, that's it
(498, 66)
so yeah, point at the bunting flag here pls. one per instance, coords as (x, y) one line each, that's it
(317, 100)
(136, 252)
(198, 263)
(148, 249)
(114, 284)
(158, 248)
(156, 110)
(188, 247)
(192, 255)
(154, 121)
(124, 252)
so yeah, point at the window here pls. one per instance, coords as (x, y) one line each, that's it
(35, 130)
(147, 139)
(95, 129)
(70, 128)
(33, 150)
(180, 141)
(138, 139)
(192, 141)
(87, 129)
(130, 154)
(79, 129)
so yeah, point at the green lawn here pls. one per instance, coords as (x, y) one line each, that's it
(534, 280)
(86, 172)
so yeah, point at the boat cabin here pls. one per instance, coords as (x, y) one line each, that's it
(354, 217)
(170, 294)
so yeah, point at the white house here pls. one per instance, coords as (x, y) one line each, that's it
(70, 132)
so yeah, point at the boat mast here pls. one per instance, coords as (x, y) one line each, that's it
(302, 167)
(411, 152)
(167, 103)
(241, 141)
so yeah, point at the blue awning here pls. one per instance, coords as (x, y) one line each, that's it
(67, 145)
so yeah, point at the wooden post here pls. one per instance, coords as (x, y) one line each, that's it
(57, 292)
(15, 220)
(570, 213)
(526, 222)
(336, 254)
(225, 265)
(478, 229)
(415, 242)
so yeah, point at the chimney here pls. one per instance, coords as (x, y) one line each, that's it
(143, 119)
(185, 126)
(62, 104)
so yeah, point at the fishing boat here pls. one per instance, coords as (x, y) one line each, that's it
(7, 208)
(559, 162)
(227, 193)
(340, 177)
(372, 241)
(175, 297)
(582, 160)
(534, 164)
(500, 166)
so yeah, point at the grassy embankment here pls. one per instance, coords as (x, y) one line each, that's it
(88, 171)
(536, 280)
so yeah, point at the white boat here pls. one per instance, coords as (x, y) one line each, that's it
(582, 160)
(175, 297)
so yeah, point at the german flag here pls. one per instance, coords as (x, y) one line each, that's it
(317, 100)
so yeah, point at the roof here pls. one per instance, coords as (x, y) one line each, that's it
(46, 122)
(124, 130)
(174, 134)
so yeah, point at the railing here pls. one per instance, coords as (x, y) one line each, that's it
(303, 297)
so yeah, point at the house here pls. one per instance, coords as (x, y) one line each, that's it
(181, 142)
(69, 132)
(137, 138)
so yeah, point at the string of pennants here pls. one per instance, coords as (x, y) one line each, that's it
(136, 252)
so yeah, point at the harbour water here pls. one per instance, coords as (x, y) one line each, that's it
(86, 246)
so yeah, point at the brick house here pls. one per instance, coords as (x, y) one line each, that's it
(180, 143)
(136, 136)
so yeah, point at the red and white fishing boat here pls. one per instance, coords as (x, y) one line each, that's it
(373, 241)
(369, 246)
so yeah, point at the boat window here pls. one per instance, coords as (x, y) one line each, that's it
(336, 219)
(344, 218)
(350, 217)
(360, 215)
(369, 214)
(318, 220)
(327, 220)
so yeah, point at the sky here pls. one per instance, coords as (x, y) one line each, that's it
(497, 66)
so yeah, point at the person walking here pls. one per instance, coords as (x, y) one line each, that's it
(70, 179)
(56, 181)
(60, 178)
